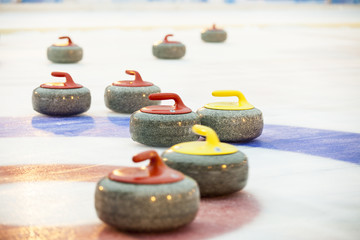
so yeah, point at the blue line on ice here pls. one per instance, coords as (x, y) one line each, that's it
(344, 146)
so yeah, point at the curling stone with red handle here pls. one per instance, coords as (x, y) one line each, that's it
(65, 53)
(162, 125)
(168, 49)
(232, 121)
(219, 168)
(213, 34)
(130, 96)
(61, 98)
(147, 199)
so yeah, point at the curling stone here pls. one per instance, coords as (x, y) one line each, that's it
(147, 199)
(218, 168)
(162, 125)
(129, 96)
(61, 99)
(213, 34)
(168, 49)
(65, 53)
(232, 121)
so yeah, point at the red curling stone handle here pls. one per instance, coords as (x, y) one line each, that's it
(155, 173)
(156, 166)
(179, 104)
(69, 81)
(166, 39)
(178, 108)
(138, 78)
(69, 84)
(68, 38)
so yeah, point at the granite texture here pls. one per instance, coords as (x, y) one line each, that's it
(169, 50)
(147, 207)
(64, 54)
(216, 175)
(129, 99)
(233, 125)
(214, 35)
(163, 130)
(61, 102)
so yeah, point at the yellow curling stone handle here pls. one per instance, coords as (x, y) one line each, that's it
(212, 145)
(242, 104)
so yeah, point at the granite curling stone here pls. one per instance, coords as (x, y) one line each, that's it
(65, 53)
(213, 34)
(147, 199)
(168, 49)
(130, 96)
(162, 125)
(61, 98)
(232, 121)
(218, 168)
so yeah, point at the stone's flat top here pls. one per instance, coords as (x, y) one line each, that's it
(298, 63)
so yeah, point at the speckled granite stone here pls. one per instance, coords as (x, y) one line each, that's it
(233, 125)
(217, 35)
(64, 54)
(61, 102)
(129, 99)
(162, 130)
(216, 174)
(169, 50)
(147, 207)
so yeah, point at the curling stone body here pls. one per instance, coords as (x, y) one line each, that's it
(232, 121)
(218, 168)
(66, 54)
(162, 130)
(216, 175)
(213, 35)
(61, 101)
(146, 208)
(130, 96)
(233, 125)
(168, 49)
(70, 53)
(163, 125)
(147, 199)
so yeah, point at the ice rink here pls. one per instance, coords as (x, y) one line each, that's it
(298, 63)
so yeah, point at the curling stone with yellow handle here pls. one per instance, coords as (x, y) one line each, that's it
(163, 125)
(65, 53)
(213, 35)
(61, 98)
(130, 96)
(219, 168)
(168, 49)
(232, 121)
(147, 199)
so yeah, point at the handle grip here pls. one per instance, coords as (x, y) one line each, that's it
(231, 93)
(69, 81)
(166, 39)
(138, 78)
(156, 166)
(179, 104)
(209, 133)
(68, 38)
